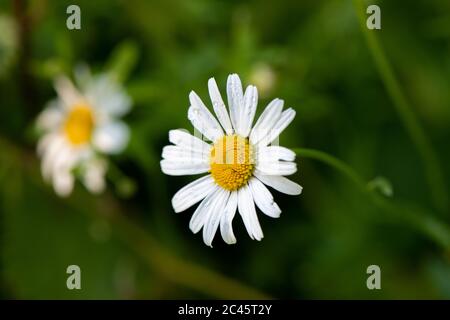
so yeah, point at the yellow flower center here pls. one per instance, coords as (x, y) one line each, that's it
(231, 162)
(79, 124)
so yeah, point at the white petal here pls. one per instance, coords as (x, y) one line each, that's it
(192, 193)
(275, 153)
(279, 168)
(281, 184)
(226, 227)
(83, 76)
(45, 142)
(266, 120)
(175, 152)
(248, 111)
(94, 175)
(107, 96)
(185, 140)
(55, 146)
(181, 167)
(67, 92)
(51, 117)
(202, 119)
(263, 198)
(235, 99)
(286, 118)
(247, 211)
(63, 182)
(65, 159)
(111, 138)
(211, 225)
(201, 214)
(219, 106)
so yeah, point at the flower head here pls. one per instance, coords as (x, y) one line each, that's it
(79, 127)
(240, 161)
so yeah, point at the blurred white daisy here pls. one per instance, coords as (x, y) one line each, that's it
(79, 127)
(240, 161)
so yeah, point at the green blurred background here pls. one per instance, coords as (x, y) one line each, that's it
(313, 54)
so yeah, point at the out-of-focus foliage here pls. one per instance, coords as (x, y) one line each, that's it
(313, 55)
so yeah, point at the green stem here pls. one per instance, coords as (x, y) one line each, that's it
(155, 256)
(419, 218)
(178, 271)
(333, 162)
(434, 173)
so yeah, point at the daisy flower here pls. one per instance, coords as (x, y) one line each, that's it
(79, 127)
(240, 161)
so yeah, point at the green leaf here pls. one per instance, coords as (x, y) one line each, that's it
(122, 60)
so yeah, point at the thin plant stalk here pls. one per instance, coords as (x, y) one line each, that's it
(433, 170)
(146, 247)
(419, 218)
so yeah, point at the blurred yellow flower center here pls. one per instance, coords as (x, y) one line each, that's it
(79, 124)
(231, 162)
